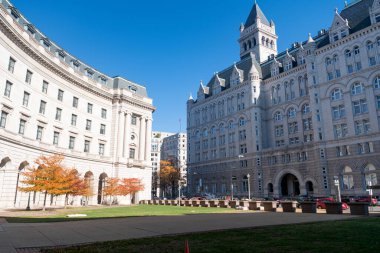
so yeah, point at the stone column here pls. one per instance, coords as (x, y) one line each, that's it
(127, 133)
(120, 135)
(142, 139)
(148, 140)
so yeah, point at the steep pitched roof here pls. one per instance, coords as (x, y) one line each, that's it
(256, 12)
(357, 14)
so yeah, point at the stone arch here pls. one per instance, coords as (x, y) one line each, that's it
(249, 44)
(21, 167)
(89, 181)
(280, 176)
(101, 184)
(329, 91)
(5, 161)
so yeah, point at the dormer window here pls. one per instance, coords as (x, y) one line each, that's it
(46, 43)
(30, 28)
(288, 65)
(336, 36)
(133, 89)
(75, 65)
(89, 73)
(14, 13)
(103, 80)
(343, 33)
(61, 55)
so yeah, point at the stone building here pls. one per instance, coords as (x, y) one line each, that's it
(52, 103)
(292, 120)
(174, 147)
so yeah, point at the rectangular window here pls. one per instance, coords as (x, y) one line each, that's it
(56, 138)
(89, 108)
(11, 65)
(360, 107)
(58, 114)
(378, 102)
(279, 131)
(8, 89)
(42, 107)
(101, 149)
(330, 76)
(104, 113)
(377, 18)
(21, 128)
(372, 61)
(60, 95)
(40, 129)
(71, 142)
(73, 119)
(28, 78)
(86, 146)
(88, 125)
(3, 119)
(134, 120)
(358, 66)
(337, 73)
(350, 69)
(45, 86)
(102, 129)
(132, 153)
(25, 100)
(75, 102)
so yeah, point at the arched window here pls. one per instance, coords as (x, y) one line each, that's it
(335, 59)
(370, 45)
(328, 61)
(356, 50)
(221, 128)
(348, 179)
(267, 42)
(249, 44)
(347, 53)
(292, 113)
(376, 82)
(370, 175)
(277, 116)
(242, 122)
(271, 44)
(336, 94)
(305, 109)
(212, 131)
(231, 125)
(204, 133)
(197, 135)
(378, 41)
(357, 88)
(245, 46)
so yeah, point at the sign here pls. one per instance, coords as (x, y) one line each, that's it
(336, 180)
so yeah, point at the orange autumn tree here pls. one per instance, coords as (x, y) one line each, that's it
(169, 176)
(111, 188)
(46, 177)
(72, 184)
(130, 186)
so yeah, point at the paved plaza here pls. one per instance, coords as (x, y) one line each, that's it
(15, 237)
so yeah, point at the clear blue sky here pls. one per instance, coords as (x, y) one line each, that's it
(168, 45)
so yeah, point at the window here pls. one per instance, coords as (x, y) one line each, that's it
(358, 66)
(3, 119)
(347, 53)
(343, 33)
(132, 152)
(104, 113)
(89, 73)
(8, 88)
(356, 50)
(340, 131)
(42, 107)
(88, 125)
(89, 108)
(350, 68)
(102, 80)
(378, 102)
(330, 76)
(279, 131)
(101, 149)
(360, 106)
(336, 95)
(292, 113)
(293, 128)
(56, 138)
(73, 119)
(243, 149)
(75, 102)
(348, 179)
(58, 114)
(134, 120)
(21, 127)
(11, 65)
(28, 78)
(60, 95)
(102, 129)
(372, 61)
(40, 129)
(376, 82)
(338, 112)
(86, 146)
(45, 86)
(307, 124)
(278, 116)
(306, 109)
(71, 142)
(25, 100)
(241, 122)
(362, 127)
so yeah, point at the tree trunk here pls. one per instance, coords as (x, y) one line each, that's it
(66, 200)
(43, 208)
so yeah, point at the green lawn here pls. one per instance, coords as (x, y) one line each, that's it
(111, 212)
(358, 235)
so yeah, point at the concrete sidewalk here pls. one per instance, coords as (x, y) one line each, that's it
(16, 236)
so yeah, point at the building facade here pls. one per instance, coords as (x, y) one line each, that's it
(289, 123)
(52, 103)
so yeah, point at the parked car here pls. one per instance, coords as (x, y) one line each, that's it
(321, 203)
(368, 199)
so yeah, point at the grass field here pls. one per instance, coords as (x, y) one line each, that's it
(358, 235)
(110, 212)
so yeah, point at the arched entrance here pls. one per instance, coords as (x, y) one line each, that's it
(102, 182)
(309, 188)
(270, 190)
(290, 186)
(22, 166)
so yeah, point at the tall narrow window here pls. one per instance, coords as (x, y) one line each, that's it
(104, 113)
(42, 107)
(75, 102)
(88, 125)
(55, 138)
(40, 129)
(3, 119)
(132, 153)
(21, 128)
(25, 100)
(134, 120)
(28, 78)
(89, 108)
(102, 129)
(60, 95)
(71, 142)
(101, 149)
(11, 65)
(58, 114)
(86, 146)
(8, 89)
(45, 86)
(73, 119)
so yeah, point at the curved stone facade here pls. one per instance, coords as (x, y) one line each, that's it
(51, 102)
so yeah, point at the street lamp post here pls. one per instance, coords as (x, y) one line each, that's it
(249, 186)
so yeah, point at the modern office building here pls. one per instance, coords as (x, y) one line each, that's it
(53, 103)
(291, 122)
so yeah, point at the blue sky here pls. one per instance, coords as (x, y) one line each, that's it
(168, 45)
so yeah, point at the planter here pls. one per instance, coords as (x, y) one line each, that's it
(333, 207)
(174, 202)
(214, 203)
(150, 202)
(254, 205)
(196, 203)
(289, 206)
(155, 202)
(269, 206)
(234, 203)
(244, 204)
(309, 207)
(188, 203)
(224, 203)
(357, 208)
(161, 202)
(205, 203)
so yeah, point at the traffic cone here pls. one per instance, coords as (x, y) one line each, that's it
(187, 250)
